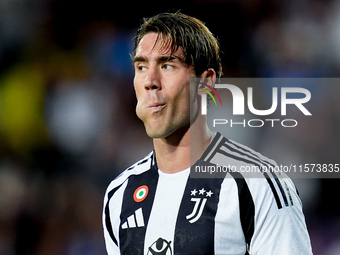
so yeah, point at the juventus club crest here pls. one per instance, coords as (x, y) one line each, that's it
(200, 198)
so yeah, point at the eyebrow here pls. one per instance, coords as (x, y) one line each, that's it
(160, 59)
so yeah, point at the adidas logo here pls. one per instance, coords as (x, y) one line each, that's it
(135, 220)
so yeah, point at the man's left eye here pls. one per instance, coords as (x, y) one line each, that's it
(166, 66)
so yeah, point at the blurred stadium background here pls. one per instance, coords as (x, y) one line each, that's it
(67, 120)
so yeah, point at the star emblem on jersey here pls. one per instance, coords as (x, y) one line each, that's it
(135, 220)
(209, 193)
(200, 202)
(140, 193)
(202, 191)
(193, 192)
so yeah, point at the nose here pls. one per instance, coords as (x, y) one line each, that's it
(152, 79)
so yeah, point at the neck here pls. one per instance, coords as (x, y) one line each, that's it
(176, 152)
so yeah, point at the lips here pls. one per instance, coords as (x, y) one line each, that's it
(156, 106)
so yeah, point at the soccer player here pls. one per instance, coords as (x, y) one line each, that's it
(154, 206)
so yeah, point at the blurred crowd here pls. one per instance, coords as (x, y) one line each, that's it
(67, 108)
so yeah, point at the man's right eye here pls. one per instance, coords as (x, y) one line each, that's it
(142, 68)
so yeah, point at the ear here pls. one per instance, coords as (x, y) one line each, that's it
(208, 77)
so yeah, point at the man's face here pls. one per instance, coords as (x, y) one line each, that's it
(162, 85)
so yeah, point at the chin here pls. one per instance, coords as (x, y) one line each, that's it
(155, 134)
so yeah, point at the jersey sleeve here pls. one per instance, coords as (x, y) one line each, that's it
(279, 223)
(111, 247)
(111, 211)
(111, 242)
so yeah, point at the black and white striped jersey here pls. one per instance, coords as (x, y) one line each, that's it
(149, 212)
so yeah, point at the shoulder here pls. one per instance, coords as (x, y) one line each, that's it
(256, 172)
(138, 168)
(269, 204)
(222, 150)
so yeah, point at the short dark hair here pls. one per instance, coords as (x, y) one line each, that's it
(199, 45)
